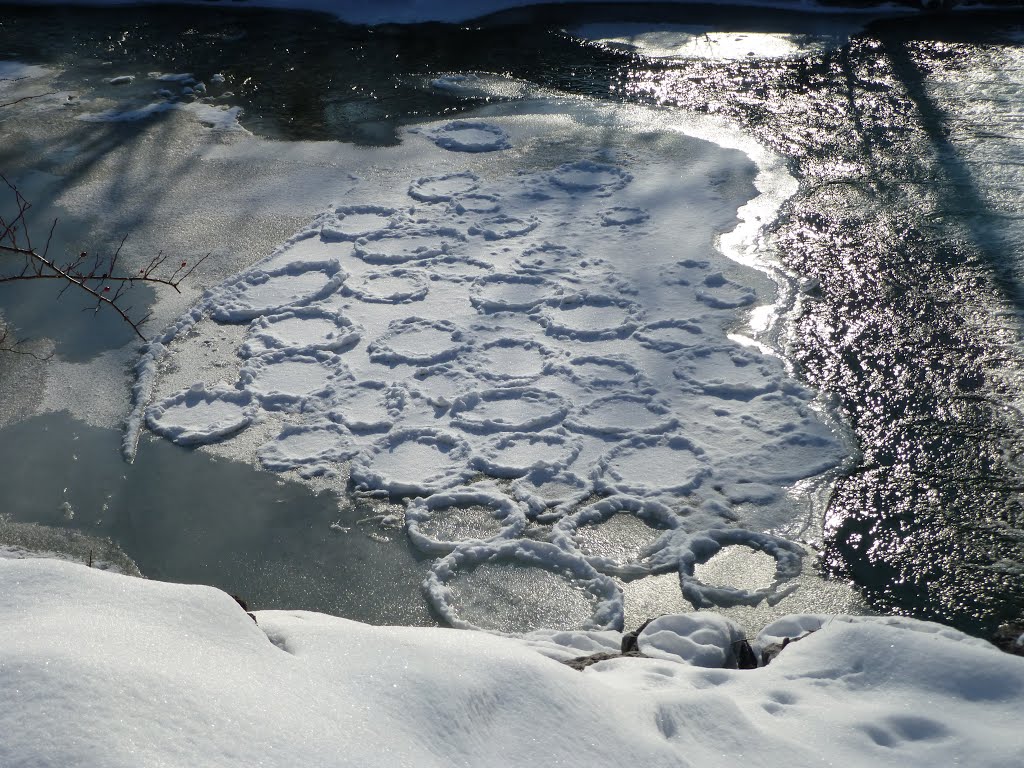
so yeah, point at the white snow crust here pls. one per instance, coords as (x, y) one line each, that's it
(101, 669)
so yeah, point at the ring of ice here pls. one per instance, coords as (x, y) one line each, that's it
(601, 373)
(398, 246)
(416, 341)
(440, 385)
(622, 216)
(502, 227)
(395, 286)
(599, 179)
(350, 222)
(508, 409)
(285, 381)
(502, 292)
(458, 268)
(690, 549)
(476, 202)
(652, 465)
(653, 513)
(608, 611)
(685, 272)
(549, 492)
(622, 414)
(311, 449)
(728, 372)
(303, 329)
(470, 136)
(511, 360)
(550, 258)
(721, 293)
(307, 251)
(198, 415)
(413, 461)
(588, 317)
(505, 515)
(262, 294)
(514, 454)
(369, 406)
(669, 335)
(442, 189)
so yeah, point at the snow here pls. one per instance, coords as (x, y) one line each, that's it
(103, 669)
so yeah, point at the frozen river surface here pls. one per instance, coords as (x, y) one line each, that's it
(554, 316)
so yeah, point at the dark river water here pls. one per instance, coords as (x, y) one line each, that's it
(908, 229)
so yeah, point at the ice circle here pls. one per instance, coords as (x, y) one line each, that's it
(369, 406)
(303, 329)
(514, 454)
(443, 188)
(511, 292)
(588, 176)
(508, 409)
(652, 465)
(669, 335)
(413, 461)
(549, 492)
(470, 136)
(719, 292)
(550, 258)
(311, 449)
(394, 286)
(350, 222)
(441, 385)
(308, 252)
(730, 372)
(696, 548)
(398, 246)
(198, 415)
(512, 360)
(621, 414)
(476, 202)
(598, 372)
(588, 318)
(598, 599)
(416, 341)
(261, 294)
(438, 523)
(622, 216)
(502, 227)
(284, 381)
(622, 550)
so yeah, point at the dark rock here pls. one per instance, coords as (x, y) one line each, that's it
(629, 640)
(582, 662)
(773, 650)
(1010, 638)
(745, 656)
(245, 607)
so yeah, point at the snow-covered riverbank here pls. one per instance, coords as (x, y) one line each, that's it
(99, 669)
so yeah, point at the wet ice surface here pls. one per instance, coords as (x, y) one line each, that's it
(514, 322)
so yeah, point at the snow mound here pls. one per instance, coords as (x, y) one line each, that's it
(140, 672)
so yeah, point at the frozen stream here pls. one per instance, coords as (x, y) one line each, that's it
(549, 316)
